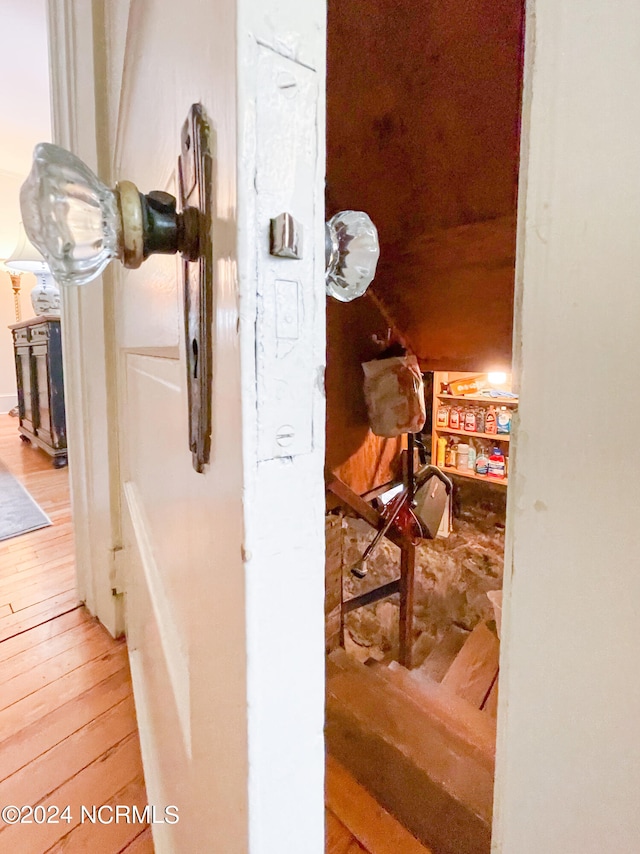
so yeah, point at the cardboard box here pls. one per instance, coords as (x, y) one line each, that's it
(469, 385)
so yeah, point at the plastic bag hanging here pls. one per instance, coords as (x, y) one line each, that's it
(394, 394)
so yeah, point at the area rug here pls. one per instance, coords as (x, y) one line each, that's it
(19, 513)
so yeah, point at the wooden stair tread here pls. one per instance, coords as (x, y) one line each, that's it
(431, 778)
(474, 669)
(453, 713)
(466, 730)
(442, 655)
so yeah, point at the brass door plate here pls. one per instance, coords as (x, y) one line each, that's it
(195, 168)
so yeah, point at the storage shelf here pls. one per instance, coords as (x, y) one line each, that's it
(480, 398)
(502, 440)
(500, 481)
(500, 437)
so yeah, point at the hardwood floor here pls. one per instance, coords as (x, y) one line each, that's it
(340, 840)
(355, 821)
(68, 733)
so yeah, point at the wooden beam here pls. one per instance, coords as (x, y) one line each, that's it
(404, 585)
(442, 655)
(359, 506)
(407, 573)
(347, 496)
(474, 669)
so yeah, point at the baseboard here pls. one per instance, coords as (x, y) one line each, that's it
(7, 402)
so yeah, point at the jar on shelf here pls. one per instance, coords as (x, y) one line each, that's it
(490, 425)
(462, 459)
(470, 420)
(442, 417)
(451, 454)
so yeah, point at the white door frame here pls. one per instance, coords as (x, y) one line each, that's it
(87, 335)
(568, 769)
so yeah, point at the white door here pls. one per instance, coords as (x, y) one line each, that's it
(223, 571)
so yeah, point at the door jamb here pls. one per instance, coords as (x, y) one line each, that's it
(87, 335)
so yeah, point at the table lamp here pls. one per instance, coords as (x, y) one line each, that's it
(15, 284)
(25, 258)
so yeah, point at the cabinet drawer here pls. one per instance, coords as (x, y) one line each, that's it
(39, 333)
(21, 336)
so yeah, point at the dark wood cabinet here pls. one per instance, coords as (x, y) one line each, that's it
(38, 352)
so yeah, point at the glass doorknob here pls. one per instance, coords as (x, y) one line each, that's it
(352, 251)
(79, 224)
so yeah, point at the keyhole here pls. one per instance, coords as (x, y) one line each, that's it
(194, 347)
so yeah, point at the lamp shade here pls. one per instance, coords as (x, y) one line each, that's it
(25, 258)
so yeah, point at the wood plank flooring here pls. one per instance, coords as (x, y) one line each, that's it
(355, 821)
(68, 732)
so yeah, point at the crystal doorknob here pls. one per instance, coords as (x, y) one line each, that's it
(352, 251)
(79, 224)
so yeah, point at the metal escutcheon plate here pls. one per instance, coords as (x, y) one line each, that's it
(195, 171)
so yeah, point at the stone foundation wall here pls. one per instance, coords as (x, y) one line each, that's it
(453, 576)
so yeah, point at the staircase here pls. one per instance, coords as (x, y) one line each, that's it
(423, 741)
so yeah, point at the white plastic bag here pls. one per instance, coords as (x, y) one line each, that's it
(394, 393)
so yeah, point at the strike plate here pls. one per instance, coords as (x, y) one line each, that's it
(195, 171)
(286, 237)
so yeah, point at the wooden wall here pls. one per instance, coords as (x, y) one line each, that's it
(423, 113)
(361, 459)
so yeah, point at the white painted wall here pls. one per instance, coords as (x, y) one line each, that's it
(24, 92)
(568, 771)
(24, 102)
